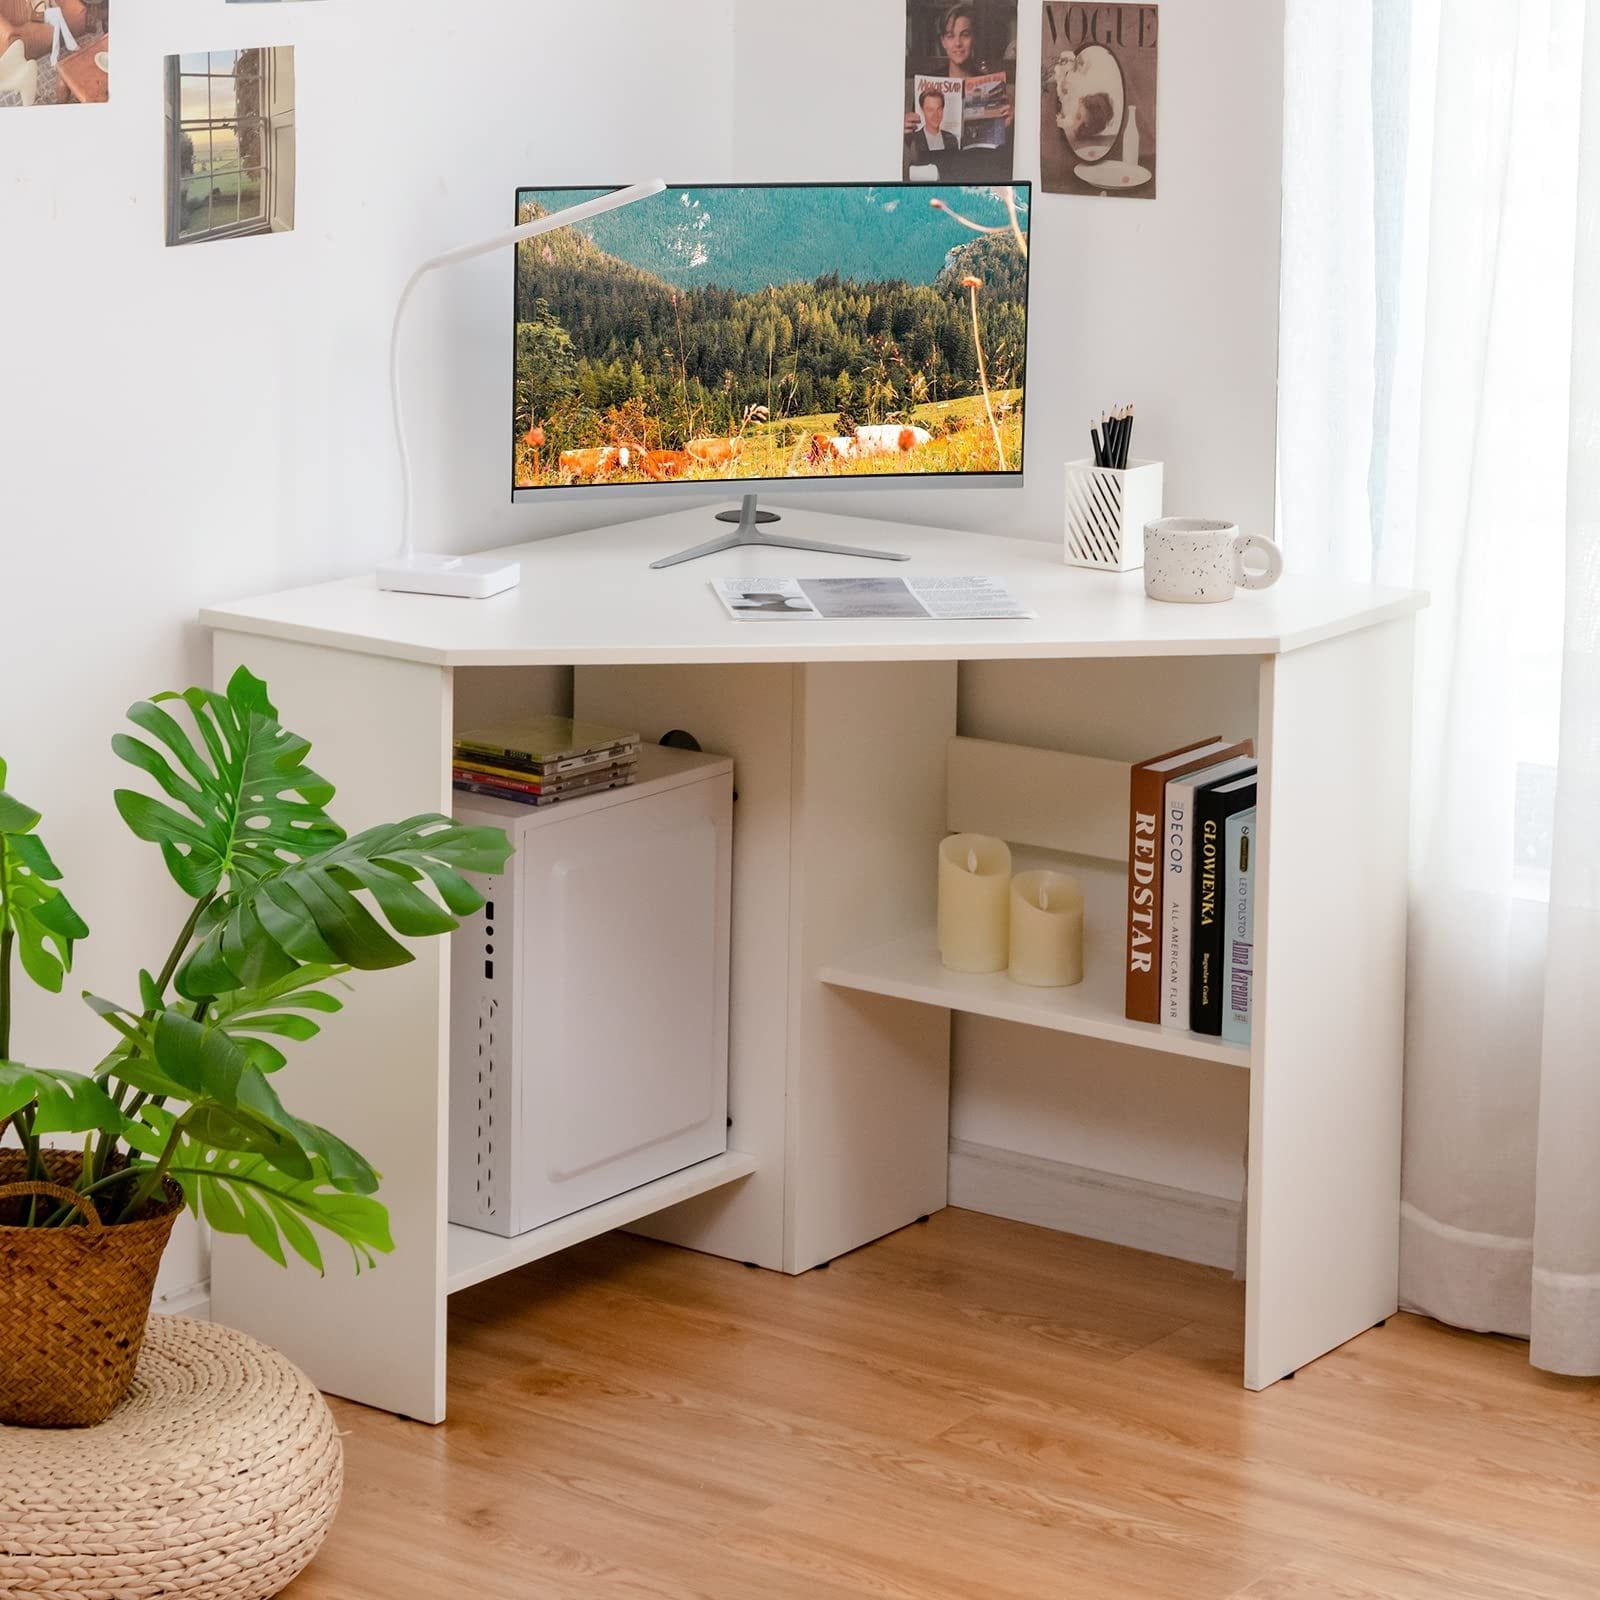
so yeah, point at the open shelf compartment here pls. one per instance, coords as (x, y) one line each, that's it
(1057, 810)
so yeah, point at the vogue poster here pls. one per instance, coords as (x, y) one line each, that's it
(1097, 114)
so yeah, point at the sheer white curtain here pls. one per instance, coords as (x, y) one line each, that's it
(1439, 425)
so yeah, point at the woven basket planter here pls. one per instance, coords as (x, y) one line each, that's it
(73, 1300)
(216, 1479)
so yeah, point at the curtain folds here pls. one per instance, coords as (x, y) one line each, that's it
(1439, 425)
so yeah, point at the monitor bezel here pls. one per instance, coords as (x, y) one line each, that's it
(717, 488)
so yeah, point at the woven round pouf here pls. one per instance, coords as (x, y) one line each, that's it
(216, 1479)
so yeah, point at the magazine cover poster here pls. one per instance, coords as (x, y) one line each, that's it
(1097, 114)
(960, 100)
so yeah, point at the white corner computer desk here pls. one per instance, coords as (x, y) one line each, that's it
(848, 771)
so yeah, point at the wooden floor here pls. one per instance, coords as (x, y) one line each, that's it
(972, 1408)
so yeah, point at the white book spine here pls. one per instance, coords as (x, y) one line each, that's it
(1177, 829)
(1238, 928)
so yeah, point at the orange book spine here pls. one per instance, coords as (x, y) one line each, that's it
(1145, 791)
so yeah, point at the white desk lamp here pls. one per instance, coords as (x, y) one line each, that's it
(470, 577)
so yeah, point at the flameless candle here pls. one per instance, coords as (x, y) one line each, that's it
(974, 880)
(1046, 930)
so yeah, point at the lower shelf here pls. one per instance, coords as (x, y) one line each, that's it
(476, 1256)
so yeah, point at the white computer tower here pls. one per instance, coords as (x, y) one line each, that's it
(589, 999)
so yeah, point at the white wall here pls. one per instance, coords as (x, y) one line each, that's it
(182, 425)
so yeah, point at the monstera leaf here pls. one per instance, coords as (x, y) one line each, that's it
(64, 1102)
(240, 1192)
(309, 912)
(278, 1010)
(231, 1103)
(248, 801)
(32, 909)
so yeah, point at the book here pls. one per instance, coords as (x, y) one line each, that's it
(1177, 881)
(1146, 784)
(515, 786)
(521, 797)
(516, 766)
(546, 744)
(1213, 805)
(489, 770)
(1238, 924)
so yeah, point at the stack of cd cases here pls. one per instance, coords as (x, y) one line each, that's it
(544, 760)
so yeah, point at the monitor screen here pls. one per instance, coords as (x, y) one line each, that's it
(774, 332)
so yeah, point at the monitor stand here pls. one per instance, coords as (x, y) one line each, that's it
(748, 532)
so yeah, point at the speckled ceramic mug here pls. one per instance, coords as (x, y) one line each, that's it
(1196, 561)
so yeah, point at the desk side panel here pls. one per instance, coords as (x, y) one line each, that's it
(1324, 1190)
(377, 1074)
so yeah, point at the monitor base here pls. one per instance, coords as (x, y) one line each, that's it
(748, 532)
(738, 516)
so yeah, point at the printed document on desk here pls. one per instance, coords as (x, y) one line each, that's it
(836, 599)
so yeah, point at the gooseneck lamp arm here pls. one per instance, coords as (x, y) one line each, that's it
(466, 252)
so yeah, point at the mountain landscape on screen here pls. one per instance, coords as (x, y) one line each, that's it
(791, 331)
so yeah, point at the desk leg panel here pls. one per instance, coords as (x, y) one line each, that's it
(378, 1072)
(1325, 1092)
(869, 1077)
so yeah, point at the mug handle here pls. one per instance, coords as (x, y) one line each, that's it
(1242, 546)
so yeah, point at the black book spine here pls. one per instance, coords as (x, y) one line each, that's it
(1207, 973)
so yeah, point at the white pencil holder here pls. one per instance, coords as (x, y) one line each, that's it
(1107, 508)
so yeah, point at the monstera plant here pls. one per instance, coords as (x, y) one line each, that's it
(182, 1107)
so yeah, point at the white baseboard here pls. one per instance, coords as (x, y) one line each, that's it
(1096, 1205)
(191, 1301)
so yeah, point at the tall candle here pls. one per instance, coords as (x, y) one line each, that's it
(1046, 929)
(974, 881)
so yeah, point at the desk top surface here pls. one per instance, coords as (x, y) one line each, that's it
(589, 599)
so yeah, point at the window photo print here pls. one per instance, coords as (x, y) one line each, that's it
(1097, 114)
(55, 52)
(960, 94)
(230, 145)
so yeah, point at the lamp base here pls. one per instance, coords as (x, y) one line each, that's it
(461, 577)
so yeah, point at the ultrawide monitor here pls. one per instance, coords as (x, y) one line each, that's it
(794, 333)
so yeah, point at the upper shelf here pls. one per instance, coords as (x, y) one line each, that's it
(588, 599)
(908, 968)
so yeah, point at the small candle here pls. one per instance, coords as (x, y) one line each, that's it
(974, 880)
(1046, 929)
